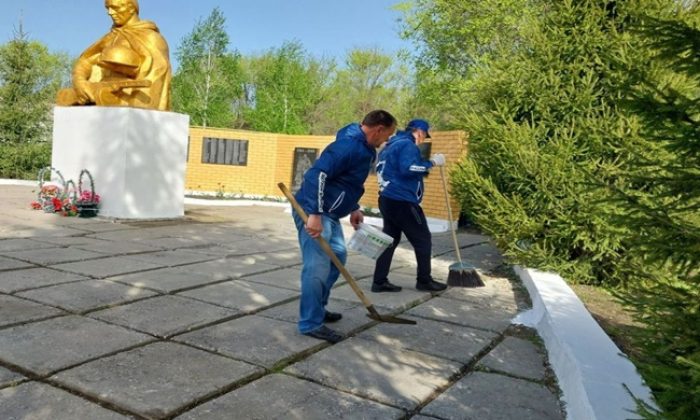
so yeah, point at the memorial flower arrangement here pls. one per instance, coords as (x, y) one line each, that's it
(88, 201)
(63, 198)
(51, 195)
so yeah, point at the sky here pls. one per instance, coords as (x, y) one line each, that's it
(326, 28)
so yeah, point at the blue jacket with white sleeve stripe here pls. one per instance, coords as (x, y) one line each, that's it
(401, 169)
(334, 184)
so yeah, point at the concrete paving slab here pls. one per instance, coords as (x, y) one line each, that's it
(15, 311)
(481, 396)
(354, 314)
(12, 264)
(188, 228)
(51, 256)
(464, 313)
(49, 242)
(9, 378)
(254, 339)
(157, 380)
(98, 225)
(282, 258)
(13, 281)
(402, 300)
(443, 242)
(288, 258)
(86, 295)
(293, 398)
(484, 257)
(497, 292)
(227, 246)
(439, 339)
(439, 270)
(171, 258)
(401, 378)
(47, 346)
(7, 245)
(116, 247)
(137, 235)
(241, 295)
(516, 357)
(286, 278)
(230, 268)
(360, 267)
(106, 267)
(21, 228)
(175, 243)
(37, 401)
(164, 316)
(167, 280)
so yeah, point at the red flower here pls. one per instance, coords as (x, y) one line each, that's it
(57, 205)
(35, 205)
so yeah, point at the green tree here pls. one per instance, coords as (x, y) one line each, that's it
(30, 76)
(208, 84)
(664, 210)
(566, 171)
(286, 84)
(453, 38)
(541, 108)
(369, 80)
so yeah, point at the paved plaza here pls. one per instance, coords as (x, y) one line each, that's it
(196, 319)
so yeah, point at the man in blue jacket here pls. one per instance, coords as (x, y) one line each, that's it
(400, 173)
(331, 190)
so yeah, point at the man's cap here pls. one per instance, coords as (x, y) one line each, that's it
(421, 124)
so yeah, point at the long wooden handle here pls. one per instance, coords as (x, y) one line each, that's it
(449, 214)
(327, 249)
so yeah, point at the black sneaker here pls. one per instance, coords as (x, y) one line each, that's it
(385, 287)
(330, 317)
(325, 333)
(431, 286)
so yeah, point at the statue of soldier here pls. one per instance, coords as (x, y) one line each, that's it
(129, 66)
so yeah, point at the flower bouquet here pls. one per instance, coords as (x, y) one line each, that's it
(51, 195)
(88, 201)
(67, 207)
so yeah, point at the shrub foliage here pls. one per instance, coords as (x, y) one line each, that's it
(583, 121)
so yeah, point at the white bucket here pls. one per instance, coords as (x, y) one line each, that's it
(369, 241)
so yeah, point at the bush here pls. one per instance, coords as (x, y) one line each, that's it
(585, 154)
(24, 160)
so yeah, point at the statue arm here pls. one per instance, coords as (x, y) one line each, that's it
(83, 70)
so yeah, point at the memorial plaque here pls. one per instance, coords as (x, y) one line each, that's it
(303, 159)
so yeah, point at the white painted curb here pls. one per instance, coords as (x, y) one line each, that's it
(19, 182)
(232, 203)
(590, 368)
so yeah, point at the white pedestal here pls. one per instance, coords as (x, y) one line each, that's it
(137, 158)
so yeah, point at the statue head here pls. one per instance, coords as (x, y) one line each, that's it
(122, 11)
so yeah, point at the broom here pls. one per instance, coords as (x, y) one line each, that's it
(461, 274)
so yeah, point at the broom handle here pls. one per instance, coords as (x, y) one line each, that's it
(327, 249)
(449, 214)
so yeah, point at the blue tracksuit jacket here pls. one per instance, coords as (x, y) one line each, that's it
(334, 184)
(400, 169)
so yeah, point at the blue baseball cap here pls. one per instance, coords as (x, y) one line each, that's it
(420, 124)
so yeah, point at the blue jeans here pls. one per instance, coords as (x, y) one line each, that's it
(318, 274)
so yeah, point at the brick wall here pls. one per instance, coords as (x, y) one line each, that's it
(270, 160)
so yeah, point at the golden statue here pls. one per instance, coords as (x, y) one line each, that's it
(129, 66)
